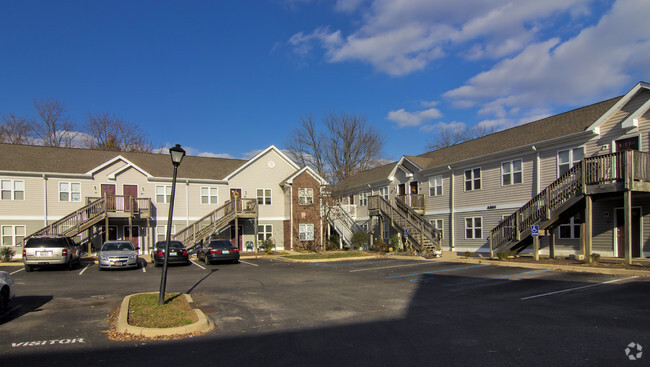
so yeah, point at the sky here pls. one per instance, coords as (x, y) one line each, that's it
(230, 78)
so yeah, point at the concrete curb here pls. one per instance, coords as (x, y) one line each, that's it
(581, 269)
(202, 325)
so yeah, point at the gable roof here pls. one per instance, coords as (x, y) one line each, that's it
(310, 171)
(260, 155)
(35, 158)
(366, 177)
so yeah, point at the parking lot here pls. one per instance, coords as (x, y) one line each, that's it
(374, 311)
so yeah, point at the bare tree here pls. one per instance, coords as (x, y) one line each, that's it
(341, 146)
(16, 130)
(107, 132)
(54, 128)
(448, 136)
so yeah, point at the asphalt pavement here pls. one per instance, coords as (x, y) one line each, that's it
(383, 312)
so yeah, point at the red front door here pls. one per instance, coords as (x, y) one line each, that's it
(130, 194)
(620, 232)
(132, 234)
(109, 190)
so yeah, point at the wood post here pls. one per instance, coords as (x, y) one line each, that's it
(588, 227)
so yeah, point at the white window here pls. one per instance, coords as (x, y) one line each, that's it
(12, 190)
(570, 229)
(264, 232)
(439, 225)
(13, 235)
(511, 172)
(209, 195)
(473, 228)
(163, 194)
(363, 198)
(305, 196)
(69, 191)
(264, 196)
(161, 232)
(306, 232)
(566, 159)
(383, 192)
(435, 185)
(473, 179)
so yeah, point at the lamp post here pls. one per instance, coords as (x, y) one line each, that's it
(177, 153)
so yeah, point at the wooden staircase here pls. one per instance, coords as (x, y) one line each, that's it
(421, 234)
(92, 213)
(216, 221)
(342, 222)
(608, 173)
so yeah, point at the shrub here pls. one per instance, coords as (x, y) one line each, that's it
(394, 242)
(468, 254)
(332, 243)
(360, 239)
(595, 257)
(268, 245)
(7, 253)
(379, 245)
(503, 255)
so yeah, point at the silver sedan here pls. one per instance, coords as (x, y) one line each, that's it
(118, 254)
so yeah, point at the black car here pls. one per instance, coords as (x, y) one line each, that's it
(218, 250)
(177, 253)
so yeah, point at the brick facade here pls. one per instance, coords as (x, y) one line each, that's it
(306, 213)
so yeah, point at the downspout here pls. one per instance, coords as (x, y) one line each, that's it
(538, 172)
(452, 217)
(290, 217)
(187, 202)
(44, 200)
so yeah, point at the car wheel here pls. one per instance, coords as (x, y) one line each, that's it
(28, 268)
(70, 265)
(235, 261)
(4, 301)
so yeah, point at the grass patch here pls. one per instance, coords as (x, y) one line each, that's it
(145, 312)
(327, 255)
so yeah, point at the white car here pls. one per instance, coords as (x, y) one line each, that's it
(7, 288)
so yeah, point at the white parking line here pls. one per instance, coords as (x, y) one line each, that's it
(197, 265)
(576, 288)
(247, 263)
(144, 269)
(21, 269)
(389, 267)
(84, 269)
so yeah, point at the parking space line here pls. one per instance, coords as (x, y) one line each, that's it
(388, 267)
(21, 269)
(437, 271)
(84, 269)
(503, 277)
(573, 289)
(197, 264)
(144, 269)
(247, 263)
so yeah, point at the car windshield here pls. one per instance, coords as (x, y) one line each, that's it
(118, 246)
(58, 242)
(221, 245)
(172, 244)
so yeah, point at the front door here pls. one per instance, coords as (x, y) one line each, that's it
(627, 144)
(132, 234)
(109, 190)
(130, 196)
(636, 232)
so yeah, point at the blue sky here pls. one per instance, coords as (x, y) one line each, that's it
(230, 78)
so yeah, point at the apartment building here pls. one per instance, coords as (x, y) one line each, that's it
(102, 195)
(581, 177)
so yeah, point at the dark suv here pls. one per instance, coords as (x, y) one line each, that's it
(50, 250)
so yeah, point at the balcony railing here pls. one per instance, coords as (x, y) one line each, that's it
(415, 201)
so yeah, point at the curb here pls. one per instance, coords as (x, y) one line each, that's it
(580, 269)
(202, 325)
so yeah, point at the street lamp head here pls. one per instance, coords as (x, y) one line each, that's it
(177, 154)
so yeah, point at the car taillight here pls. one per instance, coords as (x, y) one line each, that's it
(24, 253)
(184, 252)
(215, 251)
(235, 250)
(64, 252)
(160, 253)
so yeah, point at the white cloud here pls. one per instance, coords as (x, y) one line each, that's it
(453, 126)
(401, 37)
(404, 118)
(581, 69)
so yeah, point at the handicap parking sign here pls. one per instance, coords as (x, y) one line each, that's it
(534, 230)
